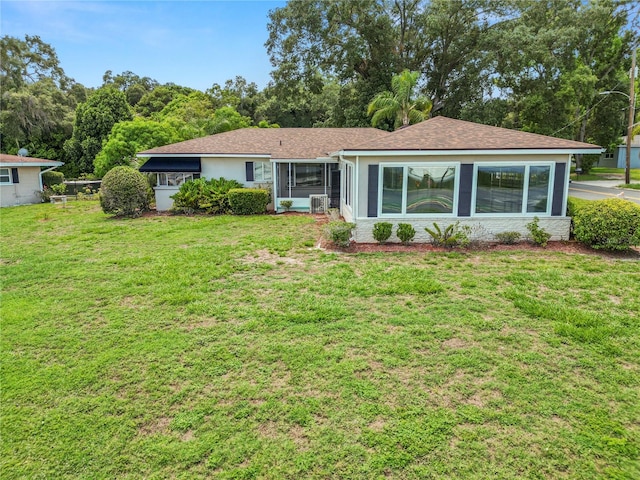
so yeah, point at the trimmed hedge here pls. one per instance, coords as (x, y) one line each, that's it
(611, 224)
(124, 192)
(248, 201)
(52, 178)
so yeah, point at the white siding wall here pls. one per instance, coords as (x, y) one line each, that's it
(24, 192)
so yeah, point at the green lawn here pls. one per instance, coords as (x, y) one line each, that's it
(182, 347)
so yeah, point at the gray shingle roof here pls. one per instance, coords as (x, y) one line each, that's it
(279, 143)
(442, 133)
(438, 133)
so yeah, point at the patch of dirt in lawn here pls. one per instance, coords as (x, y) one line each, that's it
(265, 256)
(455, 343)
(159, 425)
(187, 436)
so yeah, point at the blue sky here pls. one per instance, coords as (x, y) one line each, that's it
(190, 43)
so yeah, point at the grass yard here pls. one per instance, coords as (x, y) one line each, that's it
(176, 347)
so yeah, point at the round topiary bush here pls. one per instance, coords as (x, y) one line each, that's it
(611, 224)
(124, 192)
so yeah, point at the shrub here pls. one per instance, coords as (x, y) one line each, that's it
(248, 201)
(382, 231)
(124, 192)
(340, 232)
(508, 238)
(405, 232)
(58, 188)
(452, 236)
(286, 204)
(52, 178)
(539, 235)
(206, 196)
(611, 224)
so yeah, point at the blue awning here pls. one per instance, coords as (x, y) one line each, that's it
(171, 164)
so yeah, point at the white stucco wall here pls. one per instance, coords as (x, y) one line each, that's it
(482, 229)
(24, 192)
(163, 197)
(230, 168)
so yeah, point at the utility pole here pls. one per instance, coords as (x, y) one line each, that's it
(632, 111)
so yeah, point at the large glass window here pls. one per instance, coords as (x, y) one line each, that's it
(499, 189)
(309, 174)
(538, 191)
(262, 172)
(392, 189)
(418, 189)
(430, 189)
(512, 189)
(5, 175)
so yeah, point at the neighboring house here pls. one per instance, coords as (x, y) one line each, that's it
(21, 179)
(441, 170)
(620, 153)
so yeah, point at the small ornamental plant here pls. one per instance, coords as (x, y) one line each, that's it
(382, 232)
(538, 235)
(508, 238)
(406, 233)
(286, 204)
(340, 232)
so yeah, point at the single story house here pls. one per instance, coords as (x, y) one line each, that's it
(21, 179)
(441, 170)
(618, 158)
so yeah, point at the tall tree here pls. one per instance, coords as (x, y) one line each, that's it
(401, 106)
(94, 120)
(38, 100)
(130, 137)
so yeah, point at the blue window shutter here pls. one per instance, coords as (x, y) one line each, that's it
(249, 169)
(558, 190)
(14, 175)
(466, 186)
(372, 193)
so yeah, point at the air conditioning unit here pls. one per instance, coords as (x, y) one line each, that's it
(319, 203)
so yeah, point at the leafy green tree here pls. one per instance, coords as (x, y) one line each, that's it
(133, 86)
(239, 94)
(400, 106)
(158, 98)
(130, 137)
(94, 120)
(27, 61)
(38, 100)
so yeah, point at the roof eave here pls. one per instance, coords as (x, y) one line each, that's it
(511, 151)
(31, 164)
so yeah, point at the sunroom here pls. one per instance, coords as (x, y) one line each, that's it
(311, 185)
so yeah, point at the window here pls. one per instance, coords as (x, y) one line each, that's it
(262, 172)
(174, 179)
(348, 187)
(5, 176)
(308, 174)
(419, 189)
(501, 189)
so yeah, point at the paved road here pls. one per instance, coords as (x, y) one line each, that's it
(602, 189)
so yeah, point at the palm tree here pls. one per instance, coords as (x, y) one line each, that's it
(399, 105)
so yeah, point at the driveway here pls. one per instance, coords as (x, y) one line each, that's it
(602, 189)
